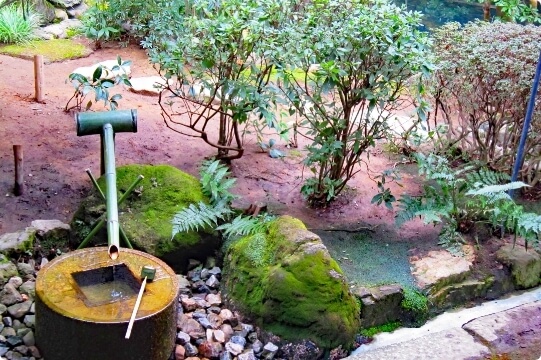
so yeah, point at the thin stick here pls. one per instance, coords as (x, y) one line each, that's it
(19, 180)
(136, 308)
(38, 77)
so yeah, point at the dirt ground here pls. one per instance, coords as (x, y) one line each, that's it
(55, 159)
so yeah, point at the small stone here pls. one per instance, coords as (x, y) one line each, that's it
(28, 288)
(233, 348)
(248, 355)
(43, 262)
(188, 325)
(214, 309)
(214, 299)
(7, 321)
(26, 270)
(215, 320)
(183, 282)
(183, 338)
(201, 303)
(15, 281)
(22, 332)
(238, 340)
(17, 324)
(22, 349)
(29, 320)
(201, 287)
(3, 309)
(209, 335)
(180, 352)
(213, 282)
(8, 331)
(243, 329)
(252, 337)
(34, 351)
(210, 349)
(218, 336)
(269, 350)
(3, 350)
(205, 274)
(29, 339)
(228, 317)
(205, 323)
(14, 341)
(226, 355)
(257, 346)
(215, 271)
(19, 310)
(10, 295)
(191, 350)
(189, 304)
(227, 330)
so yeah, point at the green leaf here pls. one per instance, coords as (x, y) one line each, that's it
(97, 73)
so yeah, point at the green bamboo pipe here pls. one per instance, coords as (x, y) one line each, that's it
(111, 194)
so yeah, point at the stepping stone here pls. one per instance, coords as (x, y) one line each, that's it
(88, 71)
(149, 85)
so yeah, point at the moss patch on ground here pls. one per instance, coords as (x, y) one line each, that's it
(294, 289)
(147, 213)
(52, 50)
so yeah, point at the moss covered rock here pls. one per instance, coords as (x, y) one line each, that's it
(525, 265)
(290, 284)
(147, 214)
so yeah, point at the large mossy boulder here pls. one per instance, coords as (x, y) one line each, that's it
(146, 216)
(525, 265)
(292, 287)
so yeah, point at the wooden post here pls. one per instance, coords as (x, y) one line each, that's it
(38, 77)
(19, 177)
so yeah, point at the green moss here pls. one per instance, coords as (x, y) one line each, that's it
(415, 305)
(147, 213)
(52, 50)
(389, 327)
(296, 290)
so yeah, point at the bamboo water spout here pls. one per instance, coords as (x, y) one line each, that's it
(106, 124)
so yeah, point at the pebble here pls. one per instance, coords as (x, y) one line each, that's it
(205, 329)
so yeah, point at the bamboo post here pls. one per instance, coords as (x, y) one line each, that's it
(19, 179)
(38, 77)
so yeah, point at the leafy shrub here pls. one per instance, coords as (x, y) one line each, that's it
(15, 27)
(102, 80)
(367, 53)
(480, 91)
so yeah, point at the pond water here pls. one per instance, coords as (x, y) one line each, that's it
(439, 12)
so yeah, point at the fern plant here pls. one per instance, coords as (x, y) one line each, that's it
(216, 181)
(458, 197)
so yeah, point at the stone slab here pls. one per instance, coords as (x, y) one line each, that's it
(452, 344)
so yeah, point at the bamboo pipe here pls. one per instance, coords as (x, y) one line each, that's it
(111, 192)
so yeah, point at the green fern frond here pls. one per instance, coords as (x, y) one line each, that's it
(484, 177)
(497, 190)
(216, 182)
(246, 225)
(195, 217)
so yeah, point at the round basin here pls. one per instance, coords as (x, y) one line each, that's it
(84, 301)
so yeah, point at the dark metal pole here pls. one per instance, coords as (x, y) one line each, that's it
(529, 112)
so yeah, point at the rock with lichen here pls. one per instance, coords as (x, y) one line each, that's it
(289, 283)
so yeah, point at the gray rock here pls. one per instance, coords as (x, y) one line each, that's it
(214, 299)
(183, 338)
(213, 282)
(243, 329)
(58, 31)
(17, 324)
(16, 281)
(22, 332)
(226, 355)
(34, 351)
(30, 320)
(20, 240)
(205, 274)
(3, 309)
(26, 269)
(53, 231)
(22, 349)
(7, 270)
(525, 265)
(64, 4)
(8, 331)
(150, 86)
(29, 288)
(215, 271)
(10, 295)
(76, 12)
(382, 306)
(257, 346)
(215, 320)
(247, 355)
(7, 321)
(19, 310)
(233, 348)
(269, 350)
(191, 350)
(3, 350)
(45, 9)
(205, 323)
(188, 304)
(14, 341)
(238, 340)
(60, 14)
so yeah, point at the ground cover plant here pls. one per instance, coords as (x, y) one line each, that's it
(52, 50)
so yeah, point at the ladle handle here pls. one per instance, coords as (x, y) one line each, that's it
(136, 308)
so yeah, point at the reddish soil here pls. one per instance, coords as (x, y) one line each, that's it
(55, 158)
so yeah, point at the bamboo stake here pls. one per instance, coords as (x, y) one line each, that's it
(19, 179)
(38, 77)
